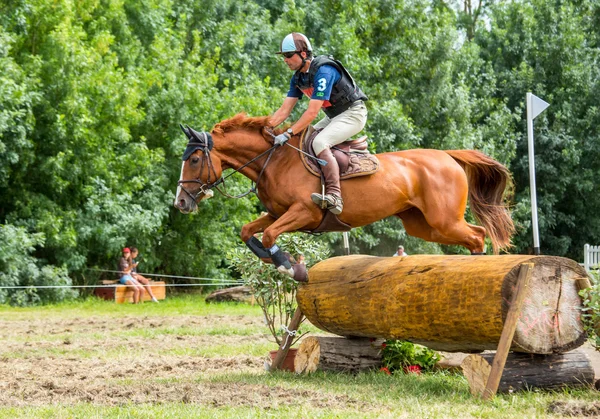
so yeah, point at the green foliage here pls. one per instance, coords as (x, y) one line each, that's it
(551, 49)
(591, 311)
(275, 292)
(19, 268)
(91, 95)
(398, 354)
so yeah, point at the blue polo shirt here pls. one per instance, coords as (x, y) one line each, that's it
(323, 82)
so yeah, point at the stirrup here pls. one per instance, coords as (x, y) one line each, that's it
(333, 203)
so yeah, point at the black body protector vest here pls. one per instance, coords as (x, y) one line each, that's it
(343, 93)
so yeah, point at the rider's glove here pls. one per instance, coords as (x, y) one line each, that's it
(281, 139)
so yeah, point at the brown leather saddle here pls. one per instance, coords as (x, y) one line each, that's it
(353, 157)
(354, 160)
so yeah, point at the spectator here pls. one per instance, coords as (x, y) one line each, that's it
(139, 278)
(125, 277)
(400, 251)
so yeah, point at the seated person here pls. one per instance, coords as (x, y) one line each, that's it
(139, 278)
(125, 277)
(400, 251)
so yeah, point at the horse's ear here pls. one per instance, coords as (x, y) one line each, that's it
(185, 131)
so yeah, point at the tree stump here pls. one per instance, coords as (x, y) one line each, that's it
(333, 353)
(241, 294)
(525, 371)
(447, 303)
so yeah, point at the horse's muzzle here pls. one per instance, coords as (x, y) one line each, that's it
(187, 205)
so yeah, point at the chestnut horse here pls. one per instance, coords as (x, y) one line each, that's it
(426, 189)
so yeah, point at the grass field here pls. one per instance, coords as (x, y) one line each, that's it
(183, 358)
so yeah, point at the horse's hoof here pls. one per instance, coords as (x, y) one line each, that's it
(300, 272)
(286, 271)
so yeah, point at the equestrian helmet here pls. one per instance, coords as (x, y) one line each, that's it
(295, 42)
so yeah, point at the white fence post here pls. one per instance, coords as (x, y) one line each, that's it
(591, 257)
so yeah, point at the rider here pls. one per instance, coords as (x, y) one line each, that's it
(329, 86)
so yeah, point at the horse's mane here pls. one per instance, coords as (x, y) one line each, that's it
(241, 121)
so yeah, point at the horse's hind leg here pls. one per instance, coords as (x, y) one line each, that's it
(449, 232)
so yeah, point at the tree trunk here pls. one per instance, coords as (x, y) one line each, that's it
(332, 353)
(523, 371)
(447, 303)
(241, 294)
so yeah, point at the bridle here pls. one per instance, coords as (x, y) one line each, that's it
(203, 142)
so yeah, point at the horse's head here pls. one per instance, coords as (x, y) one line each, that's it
(200, 171)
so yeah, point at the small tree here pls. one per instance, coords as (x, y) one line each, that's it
(275, 292)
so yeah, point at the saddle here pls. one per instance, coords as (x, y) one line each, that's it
(353, 157)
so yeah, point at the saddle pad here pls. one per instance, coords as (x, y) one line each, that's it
(352, 163)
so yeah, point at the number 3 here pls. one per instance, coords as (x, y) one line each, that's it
(322, 84)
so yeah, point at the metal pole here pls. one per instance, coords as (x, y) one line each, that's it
(346, 243)
(534, 215)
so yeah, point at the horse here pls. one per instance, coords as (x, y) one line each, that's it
(427, 189)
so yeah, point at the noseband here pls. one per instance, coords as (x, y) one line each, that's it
(203, 141)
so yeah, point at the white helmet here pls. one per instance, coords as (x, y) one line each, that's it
(295, 42)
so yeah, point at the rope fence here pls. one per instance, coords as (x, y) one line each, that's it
(212, 282)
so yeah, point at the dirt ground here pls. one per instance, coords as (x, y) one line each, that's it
(86, 364)
(67, 361)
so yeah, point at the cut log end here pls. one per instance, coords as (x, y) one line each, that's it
(307, 357)
(476, 370)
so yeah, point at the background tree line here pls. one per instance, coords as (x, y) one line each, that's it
(92, 92)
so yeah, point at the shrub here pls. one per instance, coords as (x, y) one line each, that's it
(591, 311)
(275, 292)
(19, 268)
(399, 354)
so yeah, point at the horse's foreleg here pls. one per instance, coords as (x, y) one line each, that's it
(292, 220)
(256, 226)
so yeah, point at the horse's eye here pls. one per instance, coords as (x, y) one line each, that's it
(195, 159)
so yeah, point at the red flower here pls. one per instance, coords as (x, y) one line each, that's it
(413, 369)
(383, 345)
(384, 369)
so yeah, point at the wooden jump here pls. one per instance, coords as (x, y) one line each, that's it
(447, 303)
(527, 304)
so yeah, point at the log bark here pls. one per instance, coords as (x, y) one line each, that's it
(525, 371)
(241, 294)
(332, 353)
(447, 303)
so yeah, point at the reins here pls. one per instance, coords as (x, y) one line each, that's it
(205, 187)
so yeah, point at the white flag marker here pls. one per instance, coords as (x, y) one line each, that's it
(535, 106)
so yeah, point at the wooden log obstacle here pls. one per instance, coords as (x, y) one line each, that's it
(121, 294)
(448, 303)
(527, 304)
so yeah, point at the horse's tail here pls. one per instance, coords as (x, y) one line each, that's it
(490, 187)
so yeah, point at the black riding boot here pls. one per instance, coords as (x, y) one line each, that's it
(333, 194)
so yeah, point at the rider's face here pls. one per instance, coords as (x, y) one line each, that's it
(295, 61)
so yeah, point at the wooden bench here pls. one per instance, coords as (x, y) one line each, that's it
(122, 294)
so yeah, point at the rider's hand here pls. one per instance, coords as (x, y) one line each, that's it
(281, 139)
